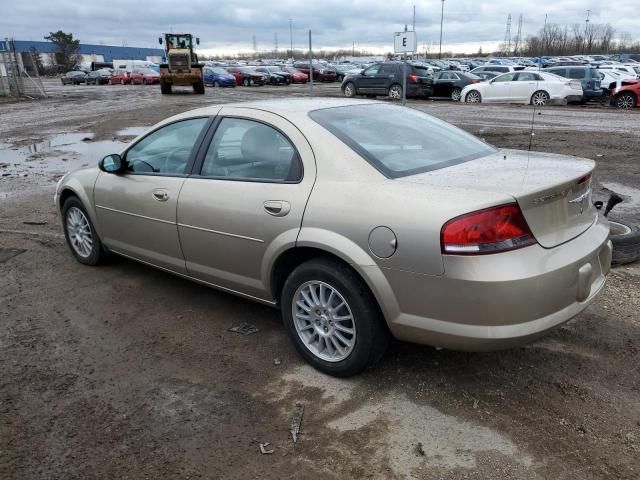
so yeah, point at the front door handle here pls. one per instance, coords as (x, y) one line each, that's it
(160, 195)
(277, 208)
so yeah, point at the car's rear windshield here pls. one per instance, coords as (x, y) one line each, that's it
(400, 141)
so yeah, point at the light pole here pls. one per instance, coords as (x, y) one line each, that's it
(441, 20)
(291, 35)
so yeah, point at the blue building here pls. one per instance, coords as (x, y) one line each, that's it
(95, 53)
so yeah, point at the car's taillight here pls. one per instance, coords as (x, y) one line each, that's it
(492, 230)
(413, 78)
(474, 81)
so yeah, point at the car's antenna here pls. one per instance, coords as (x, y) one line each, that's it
(533, 115)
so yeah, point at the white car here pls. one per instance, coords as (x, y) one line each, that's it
(536, 88)
(632, 70)
(608, 76)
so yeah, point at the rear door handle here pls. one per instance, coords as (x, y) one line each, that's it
(277, 208)
(160, 195)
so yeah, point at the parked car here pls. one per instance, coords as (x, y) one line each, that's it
(609, 78)
(98, 77)
(386, 79)
(629, 70)
(342, 70)
(218, 77)
(75, 77)
(321, 73)
(627, 95)
(497, 68)
(508, 246)
(275, 76)
(247, 76)
(587, 75)
(448, 83)
(296, 75)
(121, 77)
(487, 75)
(535, 88)
(144, 76)
(623, 57)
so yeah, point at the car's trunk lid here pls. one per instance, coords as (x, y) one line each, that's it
(553, 191)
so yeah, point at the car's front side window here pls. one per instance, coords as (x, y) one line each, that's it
(167, 150)
(507, 77)
(244, 149)
(371, 71)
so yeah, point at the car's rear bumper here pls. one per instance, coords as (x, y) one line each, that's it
(573, 98)
(418, 90)
(499, 301)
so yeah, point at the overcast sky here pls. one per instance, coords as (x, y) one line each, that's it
(229, 26)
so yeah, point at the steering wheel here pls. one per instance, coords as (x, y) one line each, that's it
(176, 160)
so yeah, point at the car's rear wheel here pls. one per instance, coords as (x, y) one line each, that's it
(395, 92)
(246, 82)
(332, 318)
(625, 100)
(626, 242)
(456, 94)
(540, 98)
(473, 97)
(80, 234)
(350, 90)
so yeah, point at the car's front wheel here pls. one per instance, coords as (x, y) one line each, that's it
(473, 97)
(350, 90)
(332, 318)
(80, 234)
(625, 100)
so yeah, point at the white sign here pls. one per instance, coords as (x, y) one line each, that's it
(404, 42)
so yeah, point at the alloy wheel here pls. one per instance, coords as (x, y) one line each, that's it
(455, 95)
(625, 101)
(349, 91)
(323, 321)
(540, 99)
(395, 92)
(79, 232)
(473, 97)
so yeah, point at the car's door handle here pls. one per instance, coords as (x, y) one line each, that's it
(277, 208)
(160, 195)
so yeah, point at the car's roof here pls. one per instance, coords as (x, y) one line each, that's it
(282, 106)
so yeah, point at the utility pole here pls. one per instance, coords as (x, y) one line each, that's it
(353, 49)
(275, 41)
(586, 29)
(291, 35)
(441, 21)
(310, 66)
(507, 37)
(255, 45)
(414, 23)
(518, 40)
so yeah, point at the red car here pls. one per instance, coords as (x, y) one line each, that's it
(321, 73)
(121, 77)
(296, 75)
(145, 76)
(627, 95)
(247, 76)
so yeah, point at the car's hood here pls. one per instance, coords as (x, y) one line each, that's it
(553, 191)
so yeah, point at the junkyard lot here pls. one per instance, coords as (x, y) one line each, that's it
(126, 371)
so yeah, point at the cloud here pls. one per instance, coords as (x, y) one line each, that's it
(230, 26)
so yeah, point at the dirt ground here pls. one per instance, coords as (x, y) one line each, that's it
(123, 371)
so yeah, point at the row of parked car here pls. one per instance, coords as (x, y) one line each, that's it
(505, 83)
(104, 76)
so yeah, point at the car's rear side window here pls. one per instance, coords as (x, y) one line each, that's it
(400, 141)
(577, 73)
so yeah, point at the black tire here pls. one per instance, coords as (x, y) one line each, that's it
(539, 98)
(626, 242)
(165, 87)
(395, 92)
(198, 87)
(371, 333)
(473, 96)
(98, 253)
(455, 94)
(349, 90)
(626, 100)
(246, 82)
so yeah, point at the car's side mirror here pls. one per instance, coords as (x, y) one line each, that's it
(112, 164)
(197, 41)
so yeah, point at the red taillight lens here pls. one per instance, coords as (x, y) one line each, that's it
(491, 230)
(474, 81)
(413, 78)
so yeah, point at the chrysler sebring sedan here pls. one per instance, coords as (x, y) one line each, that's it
(360, 220)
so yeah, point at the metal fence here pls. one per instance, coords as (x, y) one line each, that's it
(18, 73)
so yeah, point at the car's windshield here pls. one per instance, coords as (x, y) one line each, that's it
(400, 141)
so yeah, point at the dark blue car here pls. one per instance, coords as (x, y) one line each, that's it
(218, 77)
